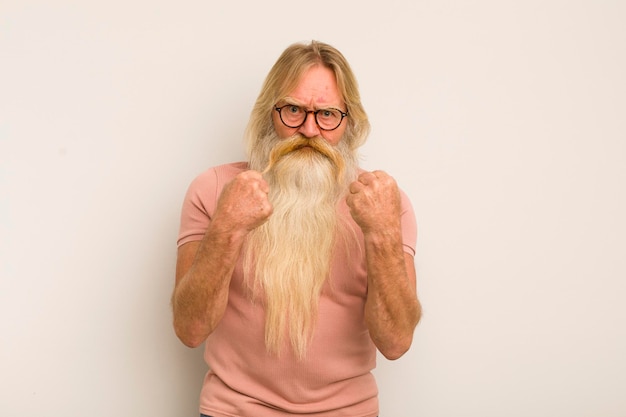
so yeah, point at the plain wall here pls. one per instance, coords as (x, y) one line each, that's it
(504, 121)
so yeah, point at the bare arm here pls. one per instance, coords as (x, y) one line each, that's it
(392, 309)
(204, 269)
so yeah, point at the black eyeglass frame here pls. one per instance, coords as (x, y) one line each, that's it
(306, 114)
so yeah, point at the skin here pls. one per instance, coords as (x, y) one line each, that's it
(203, 272)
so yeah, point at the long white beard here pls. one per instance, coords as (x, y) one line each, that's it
(287, 259)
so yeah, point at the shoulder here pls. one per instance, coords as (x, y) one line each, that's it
(213, 179)
(206, 187)
(220, 173)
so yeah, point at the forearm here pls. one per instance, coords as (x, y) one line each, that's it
(392, 309)
(201, 294)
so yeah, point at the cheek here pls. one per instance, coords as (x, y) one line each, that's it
(281, 130)
(334, 136)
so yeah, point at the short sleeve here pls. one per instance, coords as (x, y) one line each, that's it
(201, 200)
(409, 225)
(198, 207)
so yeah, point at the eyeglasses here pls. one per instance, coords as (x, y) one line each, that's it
(294, 116)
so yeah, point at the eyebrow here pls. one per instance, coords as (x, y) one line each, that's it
(294, 102)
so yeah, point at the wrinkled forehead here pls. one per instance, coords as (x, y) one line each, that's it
(315, 87)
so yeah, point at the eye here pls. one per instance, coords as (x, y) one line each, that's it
(293, 109)
(328, 114)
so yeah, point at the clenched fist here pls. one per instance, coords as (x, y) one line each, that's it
(243, 204)
(374, 201)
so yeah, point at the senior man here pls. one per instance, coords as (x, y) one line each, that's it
(295, 266)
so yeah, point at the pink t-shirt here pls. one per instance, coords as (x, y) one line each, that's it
(335, 379)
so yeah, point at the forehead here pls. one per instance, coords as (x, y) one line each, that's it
(317, 88)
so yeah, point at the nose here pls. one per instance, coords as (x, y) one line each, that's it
(309, 128)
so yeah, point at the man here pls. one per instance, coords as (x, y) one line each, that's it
(293, 268)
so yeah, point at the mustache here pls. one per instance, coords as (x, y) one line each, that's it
(297, 142)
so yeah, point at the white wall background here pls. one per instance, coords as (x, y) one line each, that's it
(505, 122)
